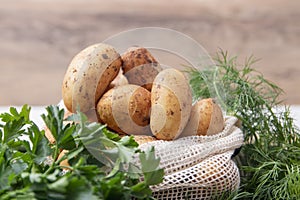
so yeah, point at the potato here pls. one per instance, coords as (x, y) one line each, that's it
(88, 75)
(48, 133)
(119, 80)
(142, 139)
(140, 67)
(126, 109)
(206, 119)
(171, 103)
(65, 161)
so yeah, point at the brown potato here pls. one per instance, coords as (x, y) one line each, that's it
(48, 133)
(126, 109)
(171, 103)
(88, 75)
(140, 67)
(65, 161)
(206, 119)
(141, 139)
(119, 80)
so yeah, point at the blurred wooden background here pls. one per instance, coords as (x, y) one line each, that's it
(38, 38)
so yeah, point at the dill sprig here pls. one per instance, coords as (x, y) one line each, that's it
(270, 159)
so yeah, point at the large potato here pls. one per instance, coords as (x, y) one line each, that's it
(88, 75)
(206, 119)
(140, 67)
(126, 109)
(171, 103)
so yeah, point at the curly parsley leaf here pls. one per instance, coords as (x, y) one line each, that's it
(150, 164)
(30, 166)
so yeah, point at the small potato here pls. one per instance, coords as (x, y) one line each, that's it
(140, 67)
(88, 75)
(142, 139)
(48, 133)
(206, 119)
(126, 109)
(65, 161)
(171, 103)
(119, 80)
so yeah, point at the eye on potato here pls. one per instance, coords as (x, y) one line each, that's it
(171, 103)
(88, 75)
(206, 119)
(140, 67)
(126, 109)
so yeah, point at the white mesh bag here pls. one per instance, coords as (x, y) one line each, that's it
(198, 167)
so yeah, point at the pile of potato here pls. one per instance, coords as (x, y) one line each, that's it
(134, 95)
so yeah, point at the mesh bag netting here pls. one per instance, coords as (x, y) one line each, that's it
(198, 167)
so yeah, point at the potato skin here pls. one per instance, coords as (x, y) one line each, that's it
(142, 139)
(88, 75)
(217, 122)
(48, 133)
(139, 106)
(119, 80)
(126, 109)
(206, 119)
(140, 67)
(63, 162)
(171, 102)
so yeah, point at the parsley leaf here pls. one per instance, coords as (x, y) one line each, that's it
(99, 161)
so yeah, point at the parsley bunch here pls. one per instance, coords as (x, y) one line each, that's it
(30, 168)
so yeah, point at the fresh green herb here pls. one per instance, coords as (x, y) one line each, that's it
(270, 159)
(102, 165)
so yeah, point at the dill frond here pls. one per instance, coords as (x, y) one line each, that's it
(270, 159)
